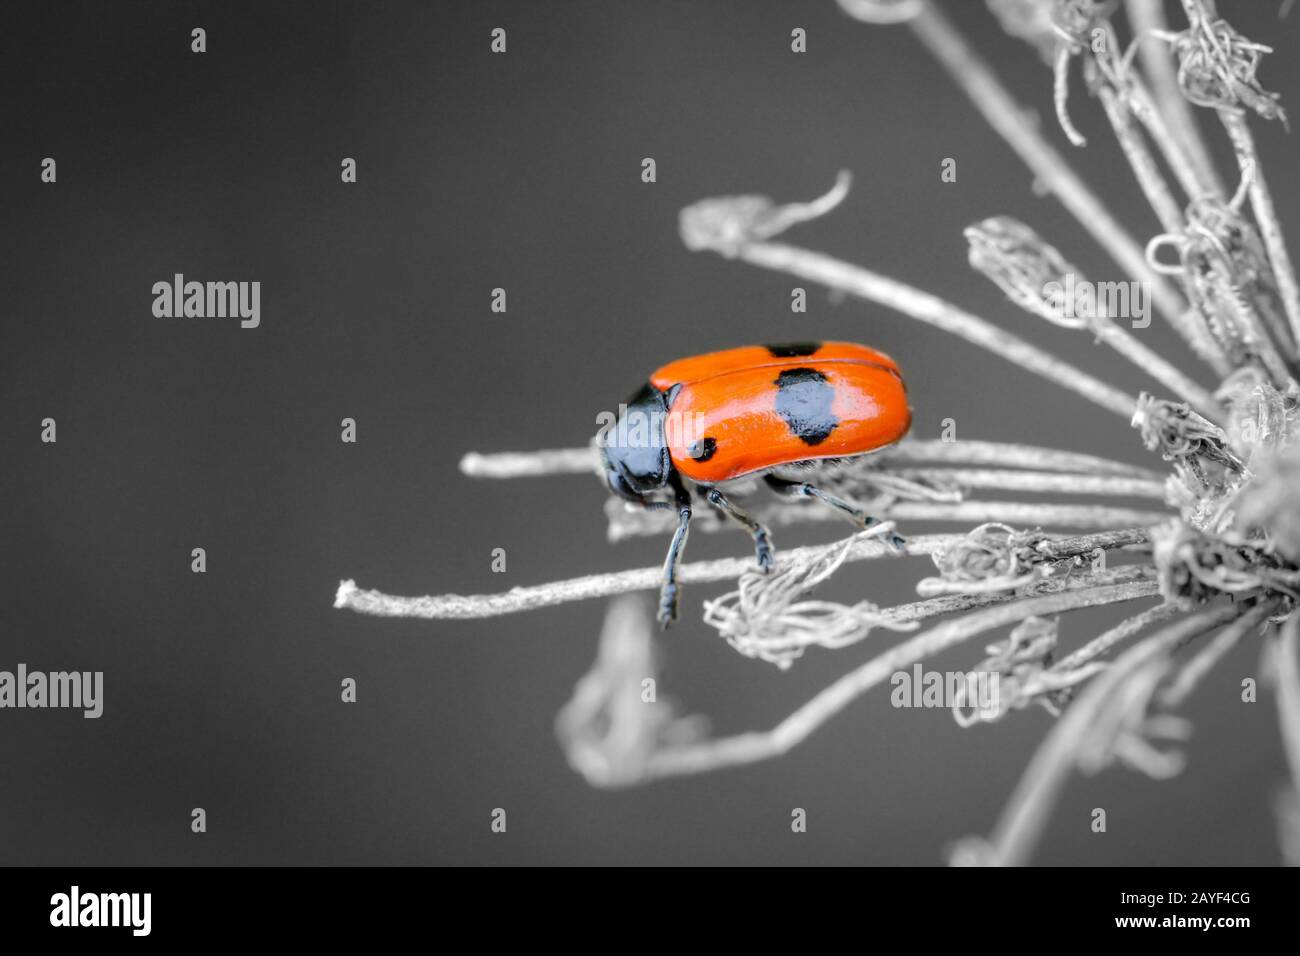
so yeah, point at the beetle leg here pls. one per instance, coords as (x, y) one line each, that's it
(668, 590)
(846, 508)
(762, 539)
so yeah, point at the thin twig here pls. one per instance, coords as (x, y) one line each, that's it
(590, 586)
(1189, 178)
(956, 603)
(585, 461)
(1180, 688)
(763, 745)
(1286, 651)
(1061, 94)
(1261, 201)
(1142, 106)
(1028, 268)
(1158, 367)
(739, 227)
(531, 464)
(783, 512)
(854, 280)
(1003, 455)
(457, 606)
(1145, 169)
(1026, 814)
(974, 76)
(1122, 631)
(1225, 269)
(1037, 481)
(1147, 16)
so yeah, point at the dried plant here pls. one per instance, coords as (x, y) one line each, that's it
(1218, 548)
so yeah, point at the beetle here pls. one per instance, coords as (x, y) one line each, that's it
(705, 420)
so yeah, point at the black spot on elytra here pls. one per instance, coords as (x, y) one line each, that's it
(803, 400)
(703, 450)
(793, 349)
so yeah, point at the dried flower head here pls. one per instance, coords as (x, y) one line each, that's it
(1030, 271)
(1217, 66)
(1273, 506)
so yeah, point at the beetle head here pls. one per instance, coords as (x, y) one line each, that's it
(633, 450)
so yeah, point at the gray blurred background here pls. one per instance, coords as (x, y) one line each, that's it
(478, 171)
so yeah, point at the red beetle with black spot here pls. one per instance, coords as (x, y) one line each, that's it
(708, 419)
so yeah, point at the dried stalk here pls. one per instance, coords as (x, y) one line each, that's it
(781, 512)
(1261, 202)
(1148, 17)
(1184, 168)
(1145, 168)
(854, 280)
(1022, 822)
(456, 606)
(1185, 682)
(1050, 168)
(1037, 481)
(516, 600)
(575, 461)
(756, 746)
(1122, 631)
(1003, 455)
(1287, 660)
(957, 603)
(531, 464)
(1024, 266)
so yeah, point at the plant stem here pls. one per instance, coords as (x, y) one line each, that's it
(531, 464)
(955, 603)
(763, 745)
(973, 75)
(1287, 647)
(855, 280)
(627, 523)
(1100, 644)
(1261, 201)
(1026, 814)
(1037, 481)
(1186, 141)
(1145, 169)
(1181, 687)
(456, 606)
(584, 461)
(1158, 367)
(1004, 455)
